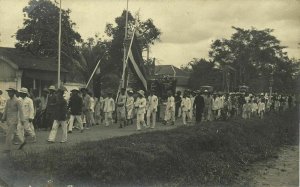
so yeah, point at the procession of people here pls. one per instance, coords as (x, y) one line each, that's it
(24, 114)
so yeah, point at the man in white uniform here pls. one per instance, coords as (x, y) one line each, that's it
(186, 106)
(170, 109)
(151, 109)
(141, 109)
(130, 107)
(28, 113)
(109, 107)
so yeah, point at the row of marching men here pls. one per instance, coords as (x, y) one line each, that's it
(221, 106)
(22, 112)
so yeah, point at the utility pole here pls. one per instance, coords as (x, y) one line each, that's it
(59, 46)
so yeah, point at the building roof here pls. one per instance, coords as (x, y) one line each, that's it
(181, 76)
(170, 70)
(25, 60)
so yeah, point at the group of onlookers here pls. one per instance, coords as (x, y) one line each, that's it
(23, 112)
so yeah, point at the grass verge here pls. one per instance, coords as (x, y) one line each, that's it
(213, 153)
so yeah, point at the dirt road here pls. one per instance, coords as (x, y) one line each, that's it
(277, 172)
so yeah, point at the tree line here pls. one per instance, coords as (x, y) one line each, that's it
(251, 56)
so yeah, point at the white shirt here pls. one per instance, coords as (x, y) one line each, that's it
(152, 103)
(261, 106)
(109, 105)
(92, 107)
(216, 103)
(141, 104)
(130, 103)
(186, 104)
(2, 103)
(171, 103)
(27, 106)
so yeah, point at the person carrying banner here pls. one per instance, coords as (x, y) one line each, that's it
(121, 110)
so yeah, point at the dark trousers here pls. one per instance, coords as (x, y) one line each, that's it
(198, 116)
(48, 120)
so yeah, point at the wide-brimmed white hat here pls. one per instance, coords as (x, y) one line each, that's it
(75, 89)
(52, 88)
(141, 92)
(23, 90)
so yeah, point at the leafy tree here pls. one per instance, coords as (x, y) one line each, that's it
(202, 73)
(257, 56)
(39, 34)
(91, 52)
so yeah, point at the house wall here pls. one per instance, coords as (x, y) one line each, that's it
(8, 77)
(7, 72)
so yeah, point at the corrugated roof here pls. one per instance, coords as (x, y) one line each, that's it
(25, 60)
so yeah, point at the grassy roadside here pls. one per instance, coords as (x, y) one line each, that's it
(211, 154)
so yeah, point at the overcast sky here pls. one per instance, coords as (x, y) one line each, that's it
(188, 26)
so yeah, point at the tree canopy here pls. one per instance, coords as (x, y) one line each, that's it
(39, 34)
(252, 57)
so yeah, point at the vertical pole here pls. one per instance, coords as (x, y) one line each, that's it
(34, 84)
(59, 46)
(124, 51)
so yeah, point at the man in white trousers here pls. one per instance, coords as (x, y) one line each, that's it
(60, 117)
(28, 113)
(141, 109)
(186, 106)
(130, 107)
(170, 109)
(151, 109)
(108, 109)
(12, 114)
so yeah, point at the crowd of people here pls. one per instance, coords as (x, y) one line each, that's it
(24, 113)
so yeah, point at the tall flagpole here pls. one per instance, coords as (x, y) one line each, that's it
(59, 46)
(124, 51)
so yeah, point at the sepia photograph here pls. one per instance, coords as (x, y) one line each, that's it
(149, 93)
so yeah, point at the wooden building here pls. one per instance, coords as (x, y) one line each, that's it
(22, 69)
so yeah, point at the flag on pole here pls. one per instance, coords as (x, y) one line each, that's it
(136, 62)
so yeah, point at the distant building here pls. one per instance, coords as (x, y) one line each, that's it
(181, 77)
(21, 69)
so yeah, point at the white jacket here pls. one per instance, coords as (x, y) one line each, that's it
(2, 103)
(27, 106)
(170, 104)
(130, 103)
(261, 106)
(186, 104)
(109, 105)
(152, 103)
(141, 104)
